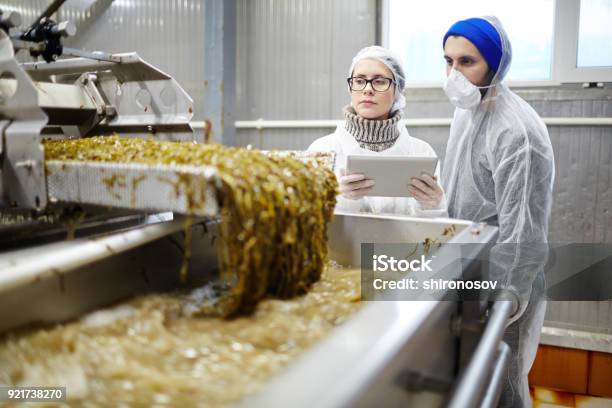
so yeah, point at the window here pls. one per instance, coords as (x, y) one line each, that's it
(595, 34)
(548, 47)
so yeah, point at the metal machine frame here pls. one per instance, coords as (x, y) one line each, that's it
(94, 94)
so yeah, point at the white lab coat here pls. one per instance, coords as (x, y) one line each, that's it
(343, 144)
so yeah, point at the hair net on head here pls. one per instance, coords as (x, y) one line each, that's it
(391, 61)
(488, 35)
(506, 57)
(483, 35)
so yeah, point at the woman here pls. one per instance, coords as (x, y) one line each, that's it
(499, 169)
(372, 126)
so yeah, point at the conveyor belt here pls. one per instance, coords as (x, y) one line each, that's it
(182, 189)
(134, 186)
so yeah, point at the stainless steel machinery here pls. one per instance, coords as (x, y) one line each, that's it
(96, 94)
(415, 353)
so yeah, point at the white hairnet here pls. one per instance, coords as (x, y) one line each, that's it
(506, 59)
(499, 169)
(391, 61)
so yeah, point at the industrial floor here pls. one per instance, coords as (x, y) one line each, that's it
(545, 398)
(564, 377)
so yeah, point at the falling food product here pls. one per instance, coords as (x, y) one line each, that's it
(274, 210)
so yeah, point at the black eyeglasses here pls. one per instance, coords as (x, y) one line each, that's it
(379, 84)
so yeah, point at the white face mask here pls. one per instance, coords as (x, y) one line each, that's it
(461, 92)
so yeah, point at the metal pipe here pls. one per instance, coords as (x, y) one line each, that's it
(471, 384)
(285, 124)
(97, 55)
(493, 392)
(68, 66)
(50, 10)
(578, 121)
(261, 124)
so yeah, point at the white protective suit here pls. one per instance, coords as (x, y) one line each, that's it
(499, 169)
(343, 143)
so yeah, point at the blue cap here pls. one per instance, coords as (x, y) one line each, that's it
(483, 35)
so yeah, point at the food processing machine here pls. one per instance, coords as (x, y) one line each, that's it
(95, 94)
(430, 352)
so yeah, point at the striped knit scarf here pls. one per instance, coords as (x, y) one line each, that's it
(375, 135)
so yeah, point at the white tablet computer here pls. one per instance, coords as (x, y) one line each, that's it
(391, 174)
